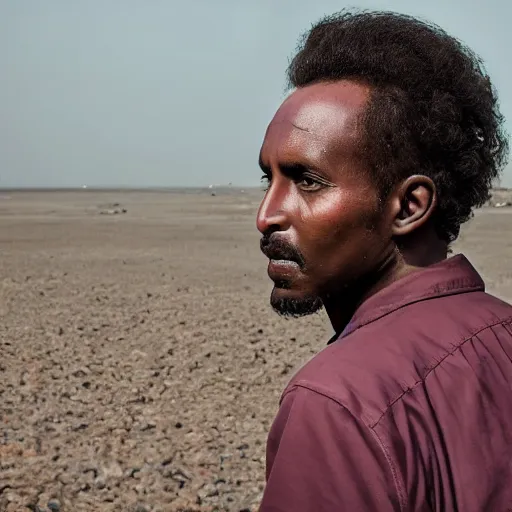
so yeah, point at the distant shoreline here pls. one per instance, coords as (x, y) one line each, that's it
(155, 189)
(232, 188)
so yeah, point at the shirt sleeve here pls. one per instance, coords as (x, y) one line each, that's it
(320, 458)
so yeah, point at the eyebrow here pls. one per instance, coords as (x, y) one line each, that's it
(293, 169)
(289, 168)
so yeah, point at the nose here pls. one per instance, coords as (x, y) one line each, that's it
(272, 215)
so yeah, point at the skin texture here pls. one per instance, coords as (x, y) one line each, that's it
(323, 211)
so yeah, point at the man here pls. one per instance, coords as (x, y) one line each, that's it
(390, 139)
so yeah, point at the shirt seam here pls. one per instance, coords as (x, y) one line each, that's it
(318, 391)
(454, 349)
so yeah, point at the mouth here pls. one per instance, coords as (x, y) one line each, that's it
(279, 270)
(280, 257)
(280, 254)
(280, 263)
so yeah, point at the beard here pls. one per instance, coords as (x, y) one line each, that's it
(277, 249)
(295, 307)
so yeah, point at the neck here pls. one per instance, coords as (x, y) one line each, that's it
(409, 258)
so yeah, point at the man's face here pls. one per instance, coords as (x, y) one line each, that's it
(321, 218)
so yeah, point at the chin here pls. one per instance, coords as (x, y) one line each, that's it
(290, 303)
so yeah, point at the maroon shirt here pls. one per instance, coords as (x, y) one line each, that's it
(409, 409)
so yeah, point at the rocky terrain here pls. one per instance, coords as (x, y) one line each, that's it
(140, 363)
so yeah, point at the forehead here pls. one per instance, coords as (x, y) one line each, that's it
(324, 114)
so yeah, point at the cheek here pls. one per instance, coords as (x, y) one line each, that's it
(330, 217)
(342, 221)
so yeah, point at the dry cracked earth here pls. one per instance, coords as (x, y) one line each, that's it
(140, 363)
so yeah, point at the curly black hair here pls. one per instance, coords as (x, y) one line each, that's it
(433, 109)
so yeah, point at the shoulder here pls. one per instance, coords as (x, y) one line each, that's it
(373, 367)
(354, 377)
(321, 457)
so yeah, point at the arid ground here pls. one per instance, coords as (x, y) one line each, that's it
(140, 363)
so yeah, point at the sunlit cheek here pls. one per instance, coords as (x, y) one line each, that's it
(328, 214)
(335, 232)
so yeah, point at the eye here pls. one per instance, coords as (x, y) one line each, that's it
(309, 184)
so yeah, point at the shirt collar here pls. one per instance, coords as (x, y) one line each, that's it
(452, 276)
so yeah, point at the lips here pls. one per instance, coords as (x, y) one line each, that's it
(280, 253)
(280, 256)
(282, 269)
(279, 263)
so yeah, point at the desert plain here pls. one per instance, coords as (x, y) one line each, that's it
(140, 362)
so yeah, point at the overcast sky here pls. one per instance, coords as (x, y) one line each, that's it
(168, 92)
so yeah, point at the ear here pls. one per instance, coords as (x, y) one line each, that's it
(414, 202)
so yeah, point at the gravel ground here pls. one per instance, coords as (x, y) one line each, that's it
(140, 363)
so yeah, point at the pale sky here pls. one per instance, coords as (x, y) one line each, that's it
(174, 93)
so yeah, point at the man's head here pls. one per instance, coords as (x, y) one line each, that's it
(390, 139)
